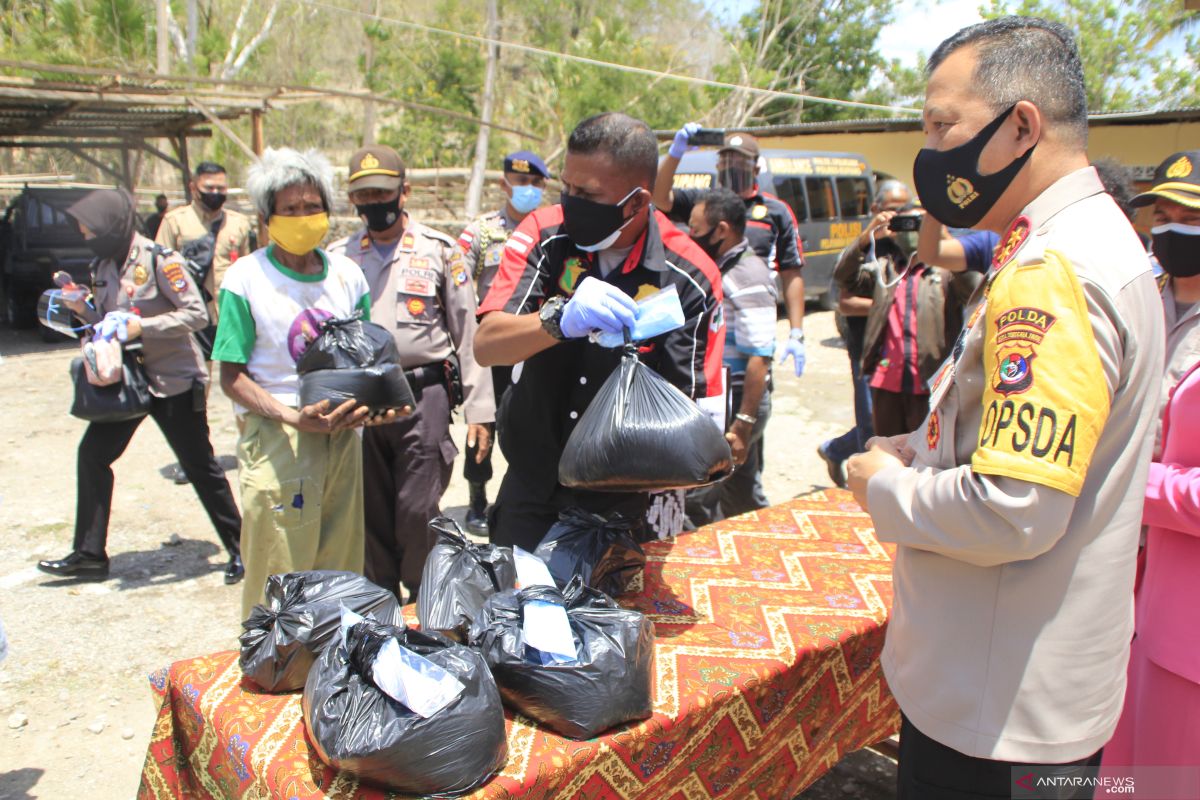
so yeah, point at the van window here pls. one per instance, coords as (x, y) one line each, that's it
(820, 198)
(791, 191)
(854, 199)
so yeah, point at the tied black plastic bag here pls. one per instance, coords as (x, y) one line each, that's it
(353, 360)
(609, 682)
(458, 577)
(601, 551)
(302, 614)
(355, 726)
(641, 434)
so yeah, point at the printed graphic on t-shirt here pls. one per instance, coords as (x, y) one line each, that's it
(304, 329)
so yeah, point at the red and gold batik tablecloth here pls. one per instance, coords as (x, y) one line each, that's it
(769, 628)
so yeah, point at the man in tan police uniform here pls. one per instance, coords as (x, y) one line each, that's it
(421, 290)
(482, 243)
(206, 215)
(1017, 503)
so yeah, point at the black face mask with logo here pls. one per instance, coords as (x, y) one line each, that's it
(950, 185)
(379, 216)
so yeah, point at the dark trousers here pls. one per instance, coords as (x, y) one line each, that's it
(855, 440)
(522, 515)
(184, 422)
(930, 770)
(894, 413)
(742, 491)
(406, 469)
(482, 472)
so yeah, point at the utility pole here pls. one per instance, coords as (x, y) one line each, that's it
(193, 22)
(162, 37)
(475, 186)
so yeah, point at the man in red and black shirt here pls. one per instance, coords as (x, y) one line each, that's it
(572, 269)
(770, 224)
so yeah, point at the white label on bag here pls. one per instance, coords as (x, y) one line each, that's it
(531, 570)
(547, 630)
(414, 681)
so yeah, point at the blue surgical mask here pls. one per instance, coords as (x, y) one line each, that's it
(526, 198)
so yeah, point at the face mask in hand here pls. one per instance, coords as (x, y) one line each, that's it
(594, 226)
(298, 235)
(379, 216)
(1177, 248)
(949, 182)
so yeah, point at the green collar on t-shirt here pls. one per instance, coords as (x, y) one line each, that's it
(299, 276)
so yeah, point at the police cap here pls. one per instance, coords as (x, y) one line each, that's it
(1177, 179)
(525, 162)
(376, 166)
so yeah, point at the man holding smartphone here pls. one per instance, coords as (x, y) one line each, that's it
(916, 310)
(770, 223)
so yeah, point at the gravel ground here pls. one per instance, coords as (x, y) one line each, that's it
(75, 707)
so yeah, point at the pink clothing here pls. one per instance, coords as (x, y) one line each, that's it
(1160, 723)
(897, 370)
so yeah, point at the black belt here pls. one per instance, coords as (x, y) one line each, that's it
(426, 375)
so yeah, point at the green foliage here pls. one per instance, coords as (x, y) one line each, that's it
(1127, 61)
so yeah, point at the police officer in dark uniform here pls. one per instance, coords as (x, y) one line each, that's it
(770, 223)
(482, 243)
(572, 269)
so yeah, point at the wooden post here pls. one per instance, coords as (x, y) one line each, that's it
(256, 131)
(185, 168)
(475, 186)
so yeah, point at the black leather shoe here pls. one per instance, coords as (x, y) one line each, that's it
(837, 469)
(477, 510)
(178, 475)
(77, 565)
(234, 571)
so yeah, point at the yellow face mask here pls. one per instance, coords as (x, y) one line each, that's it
(298, 235)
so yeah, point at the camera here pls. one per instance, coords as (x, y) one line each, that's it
(902, 223)
(707, 136)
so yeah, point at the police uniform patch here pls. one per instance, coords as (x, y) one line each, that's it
(718, 318)
(408, 241)
(758, 212)
(933, 429)
(1041, 429)
(415, 306)
(134, 252)
(365, 243)
(418, 286)
(573, 267)
(494, 254)
(140, 275)
(175, 276)
(419, 262)
(458, 273)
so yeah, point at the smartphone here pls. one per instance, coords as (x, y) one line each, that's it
(905, 222)
(704, 137)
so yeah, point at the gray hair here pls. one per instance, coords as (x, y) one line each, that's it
(279, 168)
(889, 187)
(1026, 58)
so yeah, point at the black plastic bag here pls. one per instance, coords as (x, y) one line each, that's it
(353, 360)
(641, 434)
(302, 614)
(610, 683)
(356, 727)
(601, 551)
(458, 577)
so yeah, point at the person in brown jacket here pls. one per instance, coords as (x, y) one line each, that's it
(916, 311)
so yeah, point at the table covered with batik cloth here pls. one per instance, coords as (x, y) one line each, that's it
(768, 630)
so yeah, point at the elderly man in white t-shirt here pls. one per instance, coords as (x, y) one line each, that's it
(300, 469)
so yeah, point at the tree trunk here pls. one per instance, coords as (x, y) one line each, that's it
(475, 186)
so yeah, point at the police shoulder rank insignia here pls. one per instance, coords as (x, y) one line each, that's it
(933, 429)
(408, 241)
(573, 267)
(364, 243)
(758, 212)
(1045, 398)
(140, 275)
(175, 276)
(1018, 232)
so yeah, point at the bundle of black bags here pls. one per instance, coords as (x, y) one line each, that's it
(355, 726)
(602, 551)
(459, 575)
(608, 683)
(352, 359)
(641, 434)
(283, 637)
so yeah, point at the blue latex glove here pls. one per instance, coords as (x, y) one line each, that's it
(679, 145)
(115, 323)
(795, 349)
(597, 306)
